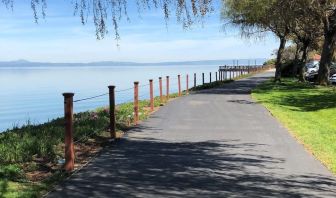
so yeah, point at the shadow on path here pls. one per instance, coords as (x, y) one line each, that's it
(149, 168)
(243, 86)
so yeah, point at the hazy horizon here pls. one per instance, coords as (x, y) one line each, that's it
(140, 62)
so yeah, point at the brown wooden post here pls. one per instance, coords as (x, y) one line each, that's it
(179, 84)
(160, 88)
(151, 95)
(187, 84)
(136, 102)
(210, 78)
(167, 87)
(203, 78)
(112, 112)
(69, 145)
(195, 84)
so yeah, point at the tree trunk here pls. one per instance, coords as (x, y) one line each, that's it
(326, 58)
(328, 49)
(296, 61)
(279, 58)
(303, 61)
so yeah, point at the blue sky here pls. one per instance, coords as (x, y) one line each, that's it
(61, 38)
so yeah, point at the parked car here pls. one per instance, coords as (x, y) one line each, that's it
(333, 79)
(333, 69)
(312, 70)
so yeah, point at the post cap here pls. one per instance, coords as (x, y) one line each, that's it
(111, 86)
(150, 80)
(68, 94)
(160, 77)
(136, 82)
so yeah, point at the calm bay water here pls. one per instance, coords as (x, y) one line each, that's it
(34, 94)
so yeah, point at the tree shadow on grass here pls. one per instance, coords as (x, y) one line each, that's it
(299, 96)
(152, 168)
(304, 102)
(3, 187)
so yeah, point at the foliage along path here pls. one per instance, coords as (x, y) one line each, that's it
(214, 143)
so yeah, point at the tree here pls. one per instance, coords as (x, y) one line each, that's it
(306, 30)
(254, 17)
(327, 10)
(105, 13)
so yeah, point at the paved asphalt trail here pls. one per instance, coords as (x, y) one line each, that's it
(216, 143)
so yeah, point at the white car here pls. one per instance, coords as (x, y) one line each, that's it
(333, 79)
(313, 68)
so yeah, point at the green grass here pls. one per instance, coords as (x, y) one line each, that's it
(309, 112)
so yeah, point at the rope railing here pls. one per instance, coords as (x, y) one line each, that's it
(90, 98)
(124, 90)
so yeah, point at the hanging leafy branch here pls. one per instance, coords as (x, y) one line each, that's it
(107, 14)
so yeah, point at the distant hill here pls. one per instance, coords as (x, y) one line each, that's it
(25, 63)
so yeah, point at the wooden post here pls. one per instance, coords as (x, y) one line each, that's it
(187, 84)
(195, 84)
(203, 78)
(112, 112)
(179, 84)
(151, 94)
(167, 87)
(136, 102)
(69, 146)
(160, 88)
(216, 77)
(210, 78)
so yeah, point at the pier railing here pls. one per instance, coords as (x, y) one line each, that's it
(224, 73)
